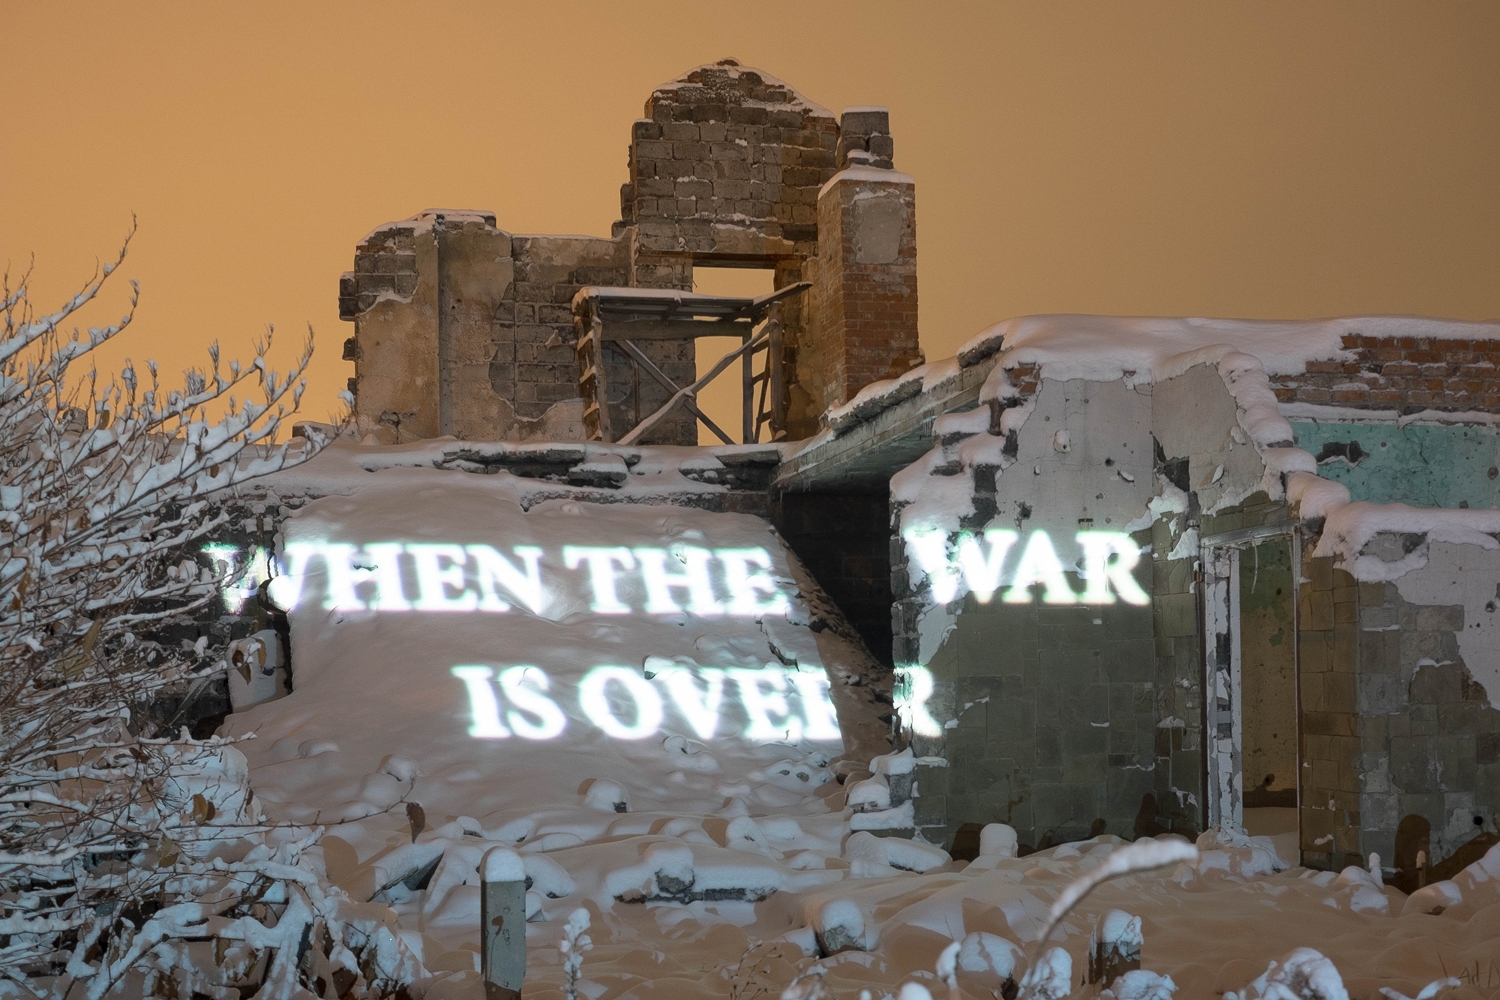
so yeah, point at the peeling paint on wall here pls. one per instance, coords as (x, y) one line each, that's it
(1467, 575)
(1419, 464)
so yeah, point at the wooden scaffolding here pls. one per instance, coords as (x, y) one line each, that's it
(623, 317)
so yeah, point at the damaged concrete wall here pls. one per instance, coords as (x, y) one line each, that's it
(1047, 712)
(725, 170)
(1071, 720)
(1427, 694)
(465, 330)
(1426, 465)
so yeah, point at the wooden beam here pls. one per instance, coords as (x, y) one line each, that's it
(639, 357)
(691, 392)
(655, 328)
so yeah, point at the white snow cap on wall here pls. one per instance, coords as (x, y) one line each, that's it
(1104, 348)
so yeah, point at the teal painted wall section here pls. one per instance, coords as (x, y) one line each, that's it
(1421, 465)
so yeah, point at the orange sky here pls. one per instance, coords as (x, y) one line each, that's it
(1252, 160)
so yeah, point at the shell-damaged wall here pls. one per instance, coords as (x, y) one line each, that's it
(1064, 708)
(1063, 711)
(510, 372)
(728, 167)
(1400, 692)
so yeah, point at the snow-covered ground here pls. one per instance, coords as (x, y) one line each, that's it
(636, 703)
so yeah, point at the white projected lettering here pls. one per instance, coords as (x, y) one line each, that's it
(645, 711)
(978, 564)
(913, 689)
(241, 579)
(699, 706)
(526, 688)
(763, 695)
(622, 703)
(602, 576)
(447, 578)
(693, 579)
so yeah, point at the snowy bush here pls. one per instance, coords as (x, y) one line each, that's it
(132, 858)
(575, 943)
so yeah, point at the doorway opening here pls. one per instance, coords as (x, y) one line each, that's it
(722, 398)
(1251, 707)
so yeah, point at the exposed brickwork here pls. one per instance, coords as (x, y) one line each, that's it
(724, 169)
(1401, 373)
(865, 138)
(534, 364)
(1428, 738)
(726, 162)
(865, 292)
(385, 262)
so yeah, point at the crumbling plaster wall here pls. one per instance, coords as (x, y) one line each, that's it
(1401, 729)
(1196, 419)
(1048, 711)
(395, 342)
(1062, 720)
(507, 371)
(1425, 465)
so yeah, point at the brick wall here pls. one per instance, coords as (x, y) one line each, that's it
(727, 162)
(1428, 739)
(864, 303)
(385, 262)
(535, 365)
(1403, 373)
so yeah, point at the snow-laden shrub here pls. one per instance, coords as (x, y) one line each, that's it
(1051, 978)
(133, 857)
(840, 926)
(997, 840)
(575, 943)
(1138, 984)
(1304, 974)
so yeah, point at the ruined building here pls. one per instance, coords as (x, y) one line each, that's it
(464, 329)
(1134, 575)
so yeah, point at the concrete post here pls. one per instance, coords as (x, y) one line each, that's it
(502, 919)
(444, 333)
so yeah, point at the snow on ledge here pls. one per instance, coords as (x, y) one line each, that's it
(1325, 414)
(879, 174)
(879, 396)
(1351, 527)
(1104, 348)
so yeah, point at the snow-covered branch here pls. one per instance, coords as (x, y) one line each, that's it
(124, 852)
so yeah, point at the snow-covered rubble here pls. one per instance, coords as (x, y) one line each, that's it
(685, 800)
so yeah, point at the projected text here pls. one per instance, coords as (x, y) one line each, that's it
(982, 564)
(447, 578)
(759, 704)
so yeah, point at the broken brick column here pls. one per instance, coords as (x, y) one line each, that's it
(865, 287)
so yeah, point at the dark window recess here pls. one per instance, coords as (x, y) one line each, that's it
(844, 541)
